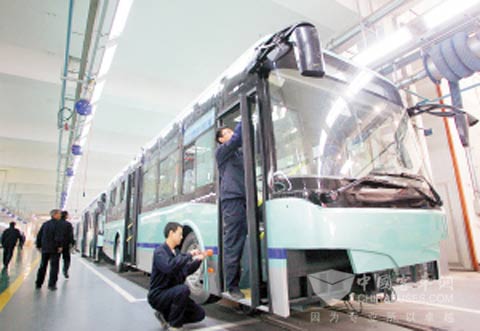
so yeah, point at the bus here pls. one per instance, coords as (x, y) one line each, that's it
(338, 198)
(91, 224)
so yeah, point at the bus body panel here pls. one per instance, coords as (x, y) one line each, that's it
(112, 229)
(202, 218)
(376, 238)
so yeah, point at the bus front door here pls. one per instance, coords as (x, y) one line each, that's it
(246, 111)
(131, 215)
(84, 235)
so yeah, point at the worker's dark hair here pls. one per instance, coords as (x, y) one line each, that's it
(54, 211)
(219, 133)
(171, 226)
(12, 224)
(64, 215)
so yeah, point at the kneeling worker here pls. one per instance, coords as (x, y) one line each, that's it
(168, 294)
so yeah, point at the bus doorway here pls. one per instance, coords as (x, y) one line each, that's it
(93, 247)
(253, 275)
(131, 218)
(84, 234)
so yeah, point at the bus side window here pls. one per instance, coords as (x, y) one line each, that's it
(205, 164)
(150, 184)
(168, 176)
(122, 191)
(189, 169)
(198, 162)
(113, 197)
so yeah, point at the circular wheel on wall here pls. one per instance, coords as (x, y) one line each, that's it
(195, 280)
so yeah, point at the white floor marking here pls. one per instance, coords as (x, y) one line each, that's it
(227, 325)
(130, 298)
(466, 310)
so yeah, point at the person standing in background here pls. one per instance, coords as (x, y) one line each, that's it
(9, 239)
(50, 242)
(67, 229)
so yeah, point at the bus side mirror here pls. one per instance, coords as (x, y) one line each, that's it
(308, 51)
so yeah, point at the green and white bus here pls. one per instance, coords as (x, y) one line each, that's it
(334, 180)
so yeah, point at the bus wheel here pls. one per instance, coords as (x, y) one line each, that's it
(195, 280)
(119, 267)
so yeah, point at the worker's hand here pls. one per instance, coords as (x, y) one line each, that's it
(195, 252)
(200, 256)
(60, 249)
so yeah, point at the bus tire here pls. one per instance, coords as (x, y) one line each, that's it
(195, 280)
(119, 266)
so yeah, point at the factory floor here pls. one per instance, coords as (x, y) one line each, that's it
(97, 298)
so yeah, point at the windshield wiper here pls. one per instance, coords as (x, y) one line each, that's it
(435, 200)
(332, 195)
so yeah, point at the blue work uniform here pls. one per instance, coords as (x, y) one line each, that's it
(67, 229)
(49, 240)
(168, 294)
(233, 204)
(9, 239)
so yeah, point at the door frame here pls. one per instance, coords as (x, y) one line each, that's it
(242, 100)
(131, 210)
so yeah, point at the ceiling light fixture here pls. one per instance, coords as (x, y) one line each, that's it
(107, 60)
(120, 19)
(383, 47)
(97, 92)
(446, 11)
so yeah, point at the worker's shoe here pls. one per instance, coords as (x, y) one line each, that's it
(161, 319)
(52, 288)
(66, 275)
(236, 294)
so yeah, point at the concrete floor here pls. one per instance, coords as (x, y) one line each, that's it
(96, 298)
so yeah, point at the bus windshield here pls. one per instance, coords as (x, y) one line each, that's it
(329, 127)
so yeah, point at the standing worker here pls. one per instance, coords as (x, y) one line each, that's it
(50, 242)
(9, 239)
(67, 229)
(233, 203)
(168, 294)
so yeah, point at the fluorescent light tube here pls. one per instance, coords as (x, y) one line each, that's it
(445, 11)
(120, 19)
(384, 47)
(107, 60)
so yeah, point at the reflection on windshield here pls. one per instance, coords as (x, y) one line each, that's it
(327, 128)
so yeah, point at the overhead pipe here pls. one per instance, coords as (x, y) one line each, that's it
(400, 63)
(62, 98)
(412, 79)
(425, 37)
(97, 39)
(92, 13)
(369, 20)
